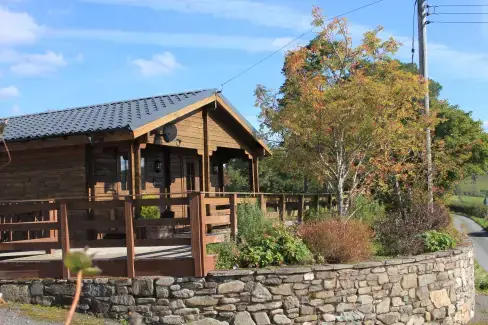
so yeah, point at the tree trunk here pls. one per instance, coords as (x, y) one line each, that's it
(398, 193)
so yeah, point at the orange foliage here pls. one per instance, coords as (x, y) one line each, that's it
(338, 240)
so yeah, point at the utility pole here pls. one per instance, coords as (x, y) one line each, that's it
(423, 65)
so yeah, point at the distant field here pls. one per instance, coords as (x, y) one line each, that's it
(465, 200)
(473, 186)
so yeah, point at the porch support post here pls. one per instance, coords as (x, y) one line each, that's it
(64, 236)
(198, 234)
(255, 163)
(301, 207)
(129, 238)
(252, 182)
(206, 157)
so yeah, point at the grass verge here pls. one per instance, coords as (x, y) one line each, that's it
(52, 314)
(480, 279)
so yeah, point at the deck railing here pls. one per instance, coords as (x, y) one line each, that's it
(57, 223)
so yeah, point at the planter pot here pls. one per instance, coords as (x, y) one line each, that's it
(159, 232)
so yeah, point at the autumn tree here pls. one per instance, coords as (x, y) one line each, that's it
(346, 114)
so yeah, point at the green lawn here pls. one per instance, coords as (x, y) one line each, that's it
(480, 279)
(465, 200)
(474, 186)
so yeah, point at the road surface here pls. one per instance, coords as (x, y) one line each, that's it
(479, 237)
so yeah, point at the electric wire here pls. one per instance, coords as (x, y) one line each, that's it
(292, 41)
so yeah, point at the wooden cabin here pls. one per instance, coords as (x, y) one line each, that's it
(169, 144)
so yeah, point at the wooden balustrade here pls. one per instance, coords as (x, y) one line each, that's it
(206, 210)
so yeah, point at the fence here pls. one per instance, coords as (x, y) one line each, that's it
(51, 224)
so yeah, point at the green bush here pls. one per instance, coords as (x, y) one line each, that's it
(319, 214)
(251, 223)
(150, 212)
(438, 241)
(227, 254)
(368, 210)
(260, 243)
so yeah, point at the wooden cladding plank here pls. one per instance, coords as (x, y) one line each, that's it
(97, 224)
(26, 226)
(101, 243)
(18, 208)
(161, 222)
(29, 245)
(212, 220)
(162, 201)
(163, 242)
(85, 205)
(198, 244)
(217, 200)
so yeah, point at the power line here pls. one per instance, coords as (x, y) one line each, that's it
(435, 6)
(459, 13)
(295, 39)
(455, 22)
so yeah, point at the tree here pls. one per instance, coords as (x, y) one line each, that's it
(345, 114)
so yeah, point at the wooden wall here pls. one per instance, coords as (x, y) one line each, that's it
(44, 173)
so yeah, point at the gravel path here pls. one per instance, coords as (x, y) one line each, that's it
(11, 317)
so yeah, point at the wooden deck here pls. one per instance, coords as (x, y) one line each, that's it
(45, 241)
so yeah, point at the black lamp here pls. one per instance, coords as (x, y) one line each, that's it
(158, 166)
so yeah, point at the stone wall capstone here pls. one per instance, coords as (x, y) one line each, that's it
(434, 288)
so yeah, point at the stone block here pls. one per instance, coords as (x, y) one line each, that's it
(426, 279)
(183, 293)
(307, 310)
(389, 318)
(143, 287)
(291, 302)
(280, 319)
(123, 300)
(162, 292)
(171, 320)
(243, 318)
(327, 308)
(440, 298)
(384, 306)
(37, 288)
(261, 318)
(202, 301)
(409, 281)
(260, 293)
(231, 287)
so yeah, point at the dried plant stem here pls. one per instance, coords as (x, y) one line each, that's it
(75, 299)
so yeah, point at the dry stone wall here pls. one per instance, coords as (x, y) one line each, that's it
(436, 288)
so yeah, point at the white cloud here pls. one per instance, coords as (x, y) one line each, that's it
(177, 40)
(26, 64)
(258, 13)
(485, 124)
(17, 27)
(159, 64)
(9, 92)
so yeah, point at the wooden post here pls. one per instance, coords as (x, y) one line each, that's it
(64, 236)
(256, 174)
(233, 216)
(262, 203)
(206, 155)
(129, 238)
(283, 208)
(198, 235)
(252, 186)
(301, 207)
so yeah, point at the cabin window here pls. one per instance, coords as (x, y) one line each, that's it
(124, 172)
(143, 171)
(190, 176)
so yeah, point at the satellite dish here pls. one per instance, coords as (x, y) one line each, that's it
(169, 132)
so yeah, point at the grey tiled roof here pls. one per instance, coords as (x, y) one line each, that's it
(117, 116)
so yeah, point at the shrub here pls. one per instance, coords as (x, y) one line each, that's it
(314, 215)
(337, 240)
(438, 241)
(262, 243)
(251, 223)
(368, 210)
(401, 234)
(227, 254)
(150, 212)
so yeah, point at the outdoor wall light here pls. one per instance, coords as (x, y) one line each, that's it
(158, 166)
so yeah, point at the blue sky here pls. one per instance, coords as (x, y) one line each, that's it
(66, 53)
